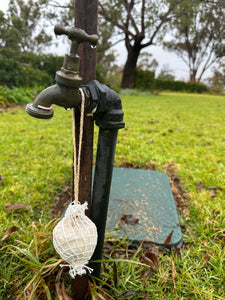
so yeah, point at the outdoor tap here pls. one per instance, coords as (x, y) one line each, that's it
(65, 92)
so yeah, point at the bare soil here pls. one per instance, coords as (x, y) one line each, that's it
(10, 106)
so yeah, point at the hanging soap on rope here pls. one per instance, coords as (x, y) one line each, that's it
(75, 236)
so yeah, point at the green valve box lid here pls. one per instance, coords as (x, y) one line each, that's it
(142, 207)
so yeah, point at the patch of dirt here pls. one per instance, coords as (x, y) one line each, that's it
(10, 106)
(64, 197)
(179, 194)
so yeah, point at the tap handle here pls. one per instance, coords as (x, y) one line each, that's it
(76, 34)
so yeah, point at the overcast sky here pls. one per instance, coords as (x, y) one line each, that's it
(163, 57)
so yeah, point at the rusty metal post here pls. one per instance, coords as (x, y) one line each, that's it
(85, 18)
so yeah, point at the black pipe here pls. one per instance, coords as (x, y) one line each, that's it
(108, 115)
(101, 189)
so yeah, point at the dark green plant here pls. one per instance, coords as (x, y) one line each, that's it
(17, 95)
(27, 69)
(144, 80)
(180, 86)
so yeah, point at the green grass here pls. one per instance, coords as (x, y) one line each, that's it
(186, 130)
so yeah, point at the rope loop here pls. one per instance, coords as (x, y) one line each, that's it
(77, 159)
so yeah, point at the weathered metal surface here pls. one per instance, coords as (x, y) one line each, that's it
(85, 18)
(76, 34)
(65, 92)
(147, 196)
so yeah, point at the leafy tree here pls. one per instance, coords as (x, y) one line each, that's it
(141, 23)
(9, 35)
(146, 62)
(218, 77)
(166, 73)
(26, 19)
(198, 35)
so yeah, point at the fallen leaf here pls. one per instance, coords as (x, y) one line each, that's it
(15, 206)
(168, 239)
(152, 260)
(128, 294)
(28, 291)
(201, 187)
(206, 243)
(103, 295)
(115, 279)
(145, 297)
(1, 179)
(213, 194)
(8, 232)
(64, 294)
(60, 287)
(207, 256)
(129, 219)
(215, 187)
(176, 249)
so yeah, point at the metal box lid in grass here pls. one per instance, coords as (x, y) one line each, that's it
(142, 207)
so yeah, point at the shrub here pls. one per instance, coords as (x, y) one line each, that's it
(144, 80)
(215, 90)
(22, 95)
(27, 69)
(180, 86)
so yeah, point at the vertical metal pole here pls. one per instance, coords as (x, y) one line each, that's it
(86, 19)
(101, 189)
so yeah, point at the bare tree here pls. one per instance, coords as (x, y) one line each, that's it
(141, 23)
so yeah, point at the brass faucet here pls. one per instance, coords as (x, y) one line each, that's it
(65, 92)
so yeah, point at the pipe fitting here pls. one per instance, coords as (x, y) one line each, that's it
(105, 105)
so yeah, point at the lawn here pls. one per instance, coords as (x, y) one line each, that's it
(182, 131)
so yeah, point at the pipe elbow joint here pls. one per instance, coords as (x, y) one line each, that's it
(106, 105)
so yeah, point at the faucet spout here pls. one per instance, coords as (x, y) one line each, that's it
(58, 94)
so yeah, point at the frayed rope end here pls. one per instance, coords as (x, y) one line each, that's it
(78, 269)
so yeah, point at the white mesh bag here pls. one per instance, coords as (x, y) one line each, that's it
(75, 238)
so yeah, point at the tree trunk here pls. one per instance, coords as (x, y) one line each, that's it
(130, 67)
(192, 77)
